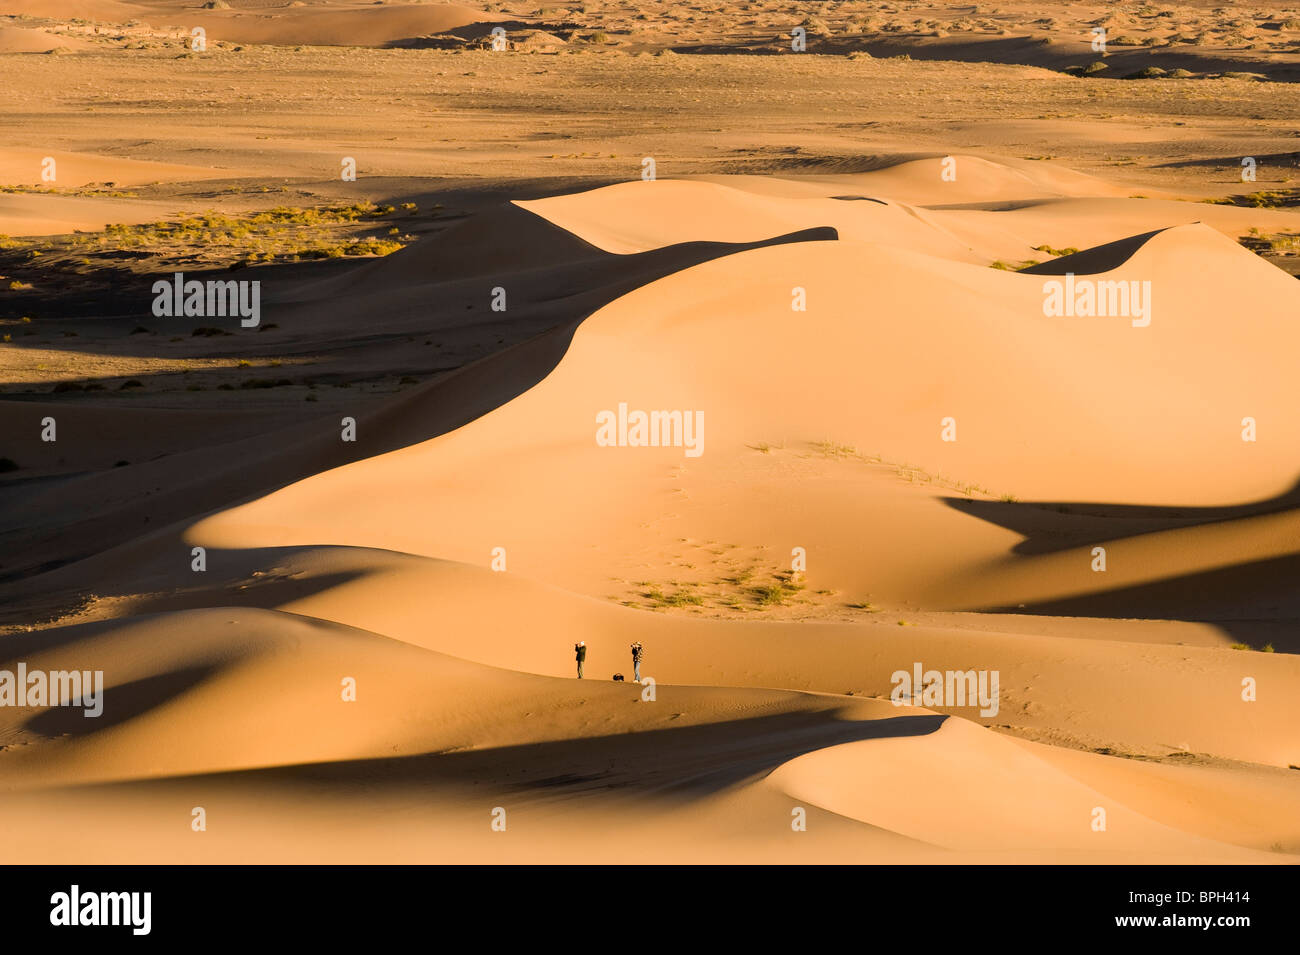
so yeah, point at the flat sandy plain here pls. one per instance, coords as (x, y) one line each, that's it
(841, 249)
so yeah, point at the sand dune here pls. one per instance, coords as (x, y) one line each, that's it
(831, 328)
(637, 217)
(22, 166)
(113, 10)
(1114, 693)
(20, 40)
(1123, 434)
(235, 694)
(55, 215)
(919, 787)
(922, 212)
(169, 703)
(336, 24)
(280, 23)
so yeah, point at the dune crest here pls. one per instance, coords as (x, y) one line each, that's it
(905, 472)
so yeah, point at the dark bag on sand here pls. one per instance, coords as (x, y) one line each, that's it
(618, 678)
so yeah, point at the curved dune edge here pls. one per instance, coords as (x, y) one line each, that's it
(635, 216)
(1125, 695)
(223, 689)
(227, 683)
(964, 788)
(1100, 442)
(1002, 213)
(217, 720)
(1120, 695)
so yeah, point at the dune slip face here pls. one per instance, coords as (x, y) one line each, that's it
(637, 434)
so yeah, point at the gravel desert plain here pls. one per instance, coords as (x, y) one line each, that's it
(916, 384)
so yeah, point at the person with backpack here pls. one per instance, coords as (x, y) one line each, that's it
(580, 651)
(638, 652)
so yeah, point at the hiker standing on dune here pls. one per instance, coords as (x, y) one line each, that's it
(638, 652)
(580, 651)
